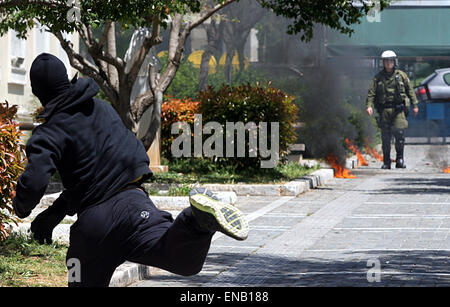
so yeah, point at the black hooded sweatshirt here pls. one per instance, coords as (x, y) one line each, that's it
(82, 137)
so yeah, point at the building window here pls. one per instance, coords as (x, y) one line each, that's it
(17, 54)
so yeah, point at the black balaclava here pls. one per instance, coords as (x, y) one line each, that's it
(48, 76)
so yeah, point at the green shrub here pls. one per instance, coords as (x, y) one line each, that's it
(185, 83)
(247, 103)
(11, 160)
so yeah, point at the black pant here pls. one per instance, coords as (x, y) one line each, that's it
(386, 135)
(128, 227)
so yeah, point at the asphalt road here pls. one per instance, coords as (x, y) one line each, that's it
(384, 228)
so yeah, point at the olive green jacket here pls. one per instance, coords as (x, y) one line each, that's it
(382, 89)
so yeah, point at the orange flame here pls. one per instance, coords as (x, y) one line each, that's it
(339, 170)
(447, 170)
(374, 153)
(355, 150)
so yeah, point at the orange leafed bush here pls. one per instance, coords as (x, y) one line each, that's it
(172, 111)
(11, 160)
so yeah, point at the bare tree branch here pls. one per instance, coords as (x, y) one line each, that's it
(104, 36)
(155, 122)
(141, 104)
(144, 101)
(207, 14)
(86, 37)
(89, 34)
(174, 40)
(149, 41)
(81, 64)
(95, 47)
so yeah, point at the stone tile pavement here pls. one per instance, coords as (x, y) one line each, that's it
(385, 228)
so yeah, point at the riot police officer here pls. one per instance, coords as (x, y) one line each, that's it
(391, 94)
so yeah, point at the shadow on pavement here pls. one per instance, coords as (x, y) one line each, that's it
(398, 268)
(411, 186)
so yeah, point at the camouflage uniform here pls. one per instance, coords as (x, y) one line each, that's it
(391, 94)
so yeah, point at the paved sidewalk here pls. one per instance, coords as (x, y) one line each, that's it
(387, 226)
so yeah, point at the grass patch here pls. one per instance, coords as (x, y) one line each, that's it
(26, 263)
(196, 170)
(179, 191)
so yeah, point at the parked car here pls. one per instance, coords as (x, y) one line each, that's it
(436, 87)
(433, 94)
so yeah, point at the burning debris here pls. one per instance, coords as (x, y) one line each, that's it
(372, 152)
(358, 153)
(339, 170)
(439, 157)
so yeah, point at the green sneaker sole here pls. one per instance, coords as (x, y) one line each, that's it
(230, 220)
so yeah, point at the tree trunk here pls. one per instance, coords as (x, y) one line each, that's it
(212, 35)
(111, 49)
(241, 57)
(204, 70)
(229, 64)
(155, 122)
(124, 109)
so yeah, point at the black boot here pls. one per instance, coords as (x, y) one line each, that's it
(400, 163)
(399, 148)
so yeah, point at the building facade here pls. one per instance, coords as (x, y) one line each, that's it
(16, 57)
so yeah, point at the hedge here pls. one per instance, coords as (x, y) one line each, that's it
(245, 103)
(12, 157)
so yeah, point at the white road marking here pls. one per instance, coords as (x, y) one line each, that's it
(365, 273)
(402, 203)
(398, 216)
(346, 250)
(375, 229)
(236, 246)
(285, 215)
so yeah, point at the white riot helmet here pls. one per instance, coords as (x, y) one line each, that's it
(389, 55)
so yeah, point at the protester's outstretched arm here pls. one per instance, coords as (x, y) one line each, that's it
(42, 156)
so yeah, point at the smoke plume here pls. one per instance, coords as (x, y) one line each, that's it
(331, 99)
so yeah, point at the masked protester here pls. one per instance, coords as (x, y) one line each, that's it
(391, 94)
(102, 166)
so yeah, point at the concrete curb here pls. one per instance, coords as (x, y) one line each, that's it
(292, 188)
